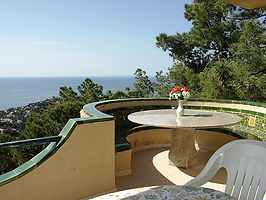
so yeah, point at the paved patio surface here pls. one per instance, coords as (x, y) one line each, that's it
(151, 167)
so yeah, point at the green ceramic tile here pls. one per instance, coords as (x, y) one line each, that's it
(122, 147)
(40, 156)
(209, 100)
(226, 109)
(192, 99)
(51, 146)
(24, 167)
(216, 108)
(6, 176)
(235, 101)
(196, 107)
(70, 125)
(261, 114)
(253, 113)
(206, 108)
(218, 100)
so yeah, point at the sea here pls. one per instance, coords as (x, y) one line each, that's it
(16, 92)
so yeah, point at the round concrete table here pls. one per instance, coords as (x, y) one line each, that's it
(183, 152)
(167, 192)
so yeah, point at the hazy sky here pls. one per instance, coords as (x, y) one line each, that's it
(86, 37)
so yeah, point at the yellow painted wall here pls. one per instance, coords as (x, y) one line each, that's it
(147, 139)
(154, 138)
(123, 163)
(211, 140)
(83, 166)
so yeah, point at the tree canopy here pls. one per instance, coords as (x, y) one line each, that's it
(219, 31)
(224, 53)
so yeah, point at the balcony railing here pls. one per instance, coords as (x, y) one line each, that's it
(85, 155)
(31, 142)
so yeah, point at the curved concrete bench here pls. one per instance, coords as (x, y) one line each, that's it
(148, 137)
(253, 114)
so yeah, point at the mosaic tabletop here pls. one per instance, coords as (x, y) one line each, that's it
(167, 192)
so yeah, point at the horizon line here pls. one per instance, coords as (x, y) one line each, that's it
(66, 76)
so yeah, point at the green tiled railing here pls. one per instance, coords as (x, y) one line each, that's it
(30, 142)
(55, 143)
(41, 157)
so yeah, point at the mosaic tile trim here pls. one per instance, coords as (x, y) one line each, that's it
(258, 130)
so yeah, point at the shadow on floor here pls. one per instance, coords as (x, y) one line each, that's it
(203, 157)
(143, 172)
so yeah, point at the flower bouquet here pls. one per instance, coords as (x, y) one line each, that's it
(181, 94)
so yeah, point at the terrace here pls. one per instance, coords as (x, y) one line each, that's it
(83, 161)
(86, 162)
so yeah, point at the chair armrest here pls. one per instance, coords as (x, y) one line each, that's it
(208, 172)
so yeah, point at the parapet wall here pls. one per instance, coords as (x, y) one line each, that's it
(75, 168)
(253, 125)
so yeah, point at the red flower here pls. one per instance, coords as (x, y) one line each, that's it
(175, 89)
(179, 92)
(185, 88)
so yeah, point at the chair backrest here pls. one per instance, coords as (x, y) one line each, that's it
(245, 163)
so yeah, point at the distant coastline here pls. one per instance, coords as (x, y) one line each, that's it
(21, 91)
(22, 96)
(13, 120)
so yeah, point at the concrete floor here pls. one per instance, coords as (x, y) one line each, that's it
(151, 167)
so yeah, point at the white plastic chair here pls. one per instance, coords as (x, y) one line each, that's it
(245, 163)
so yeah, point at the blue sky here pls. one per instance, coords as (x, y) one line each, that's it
(86, 37)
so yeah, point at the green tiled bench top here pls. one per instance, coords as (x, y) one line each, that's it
(244, 129)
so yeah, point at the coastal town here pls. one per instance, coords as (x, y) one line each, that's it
(13, 120)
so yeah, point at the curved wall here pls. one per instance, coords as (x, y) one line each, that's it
(155, 137)
(253, 125)
(78, 167)
(83, 163)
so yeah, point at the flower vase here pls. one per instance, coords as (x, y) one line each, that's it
(180, 108)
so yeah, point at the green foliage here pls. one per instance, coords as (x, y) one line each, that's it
(208, 39)
(143, 87)
(232, 80)
(246, 85)
(117, 95)
(223, 55)
(163, 84)
(67, 94)
(217, 26)
(41, 125)
(251, 47)
(9, 158)
(215, 82)
(90, 91)
(182, 75)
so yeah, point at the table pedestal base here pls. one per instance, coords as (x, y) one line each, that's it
(183, 152)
